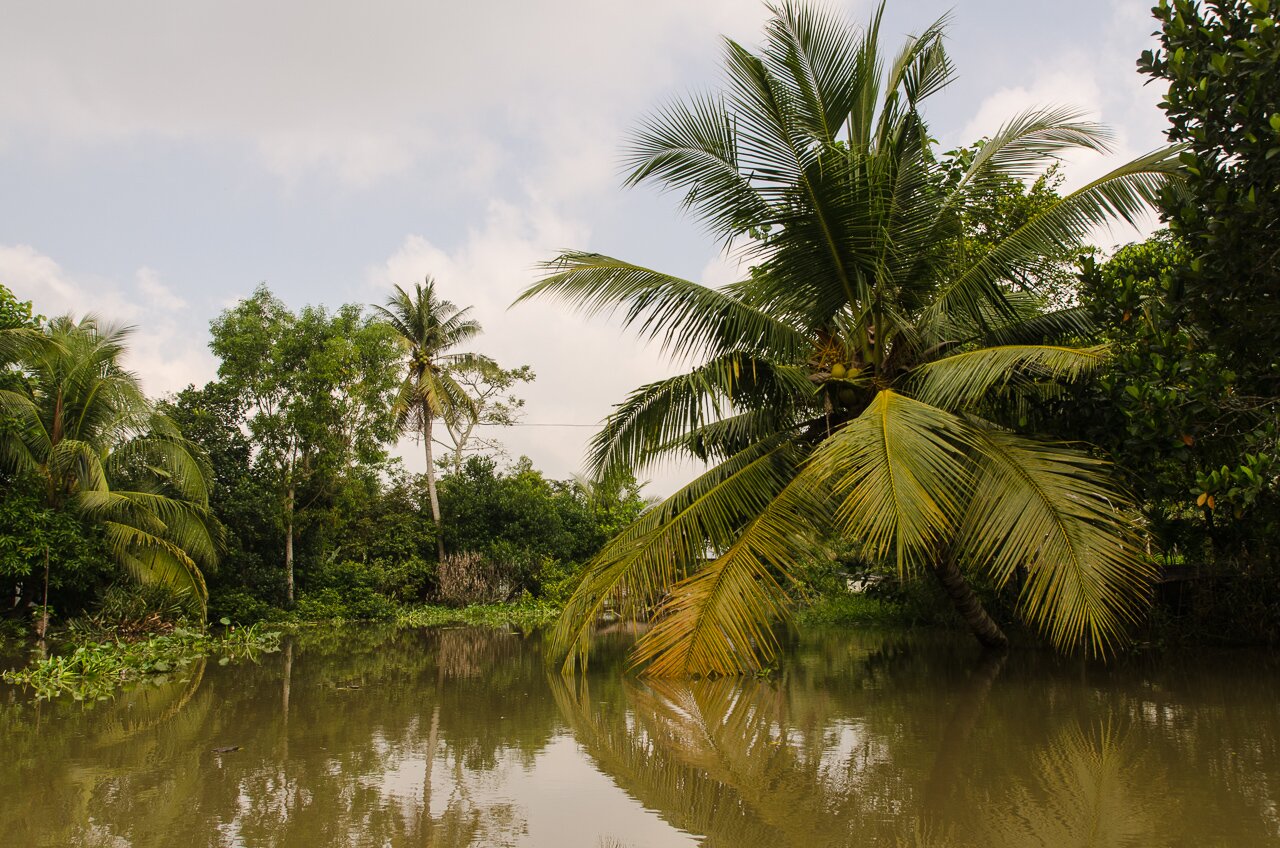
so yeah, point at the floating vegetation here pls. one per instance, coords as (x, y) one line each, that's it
(93, 670)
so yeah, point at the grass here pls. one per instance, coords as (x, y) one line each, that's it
(93, 670)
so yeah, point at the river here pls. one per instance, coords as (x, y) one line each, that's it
(365, 736)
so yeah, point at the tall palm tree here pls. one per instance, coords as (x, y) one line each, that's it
(83, 427)
(427, 327)
(859, 381)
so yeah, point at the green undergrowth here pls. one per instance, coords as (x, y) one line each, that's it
(525, 613)
(93, 670)
(858, 609)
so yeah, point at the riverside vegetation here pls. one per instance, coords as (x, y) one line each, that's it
(927, 371)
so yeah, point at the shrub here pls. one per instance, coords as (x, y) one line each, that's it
(359, 603)
(240, 606)
(407, 581)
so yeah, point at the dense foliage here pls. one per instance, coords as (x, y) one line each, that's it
(296, 492)
(1221, 61)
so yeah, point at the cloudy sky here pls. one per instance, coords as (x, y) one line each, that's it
(158, 161)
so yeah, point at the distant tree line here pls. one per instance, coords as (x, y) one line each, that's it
(270, 491)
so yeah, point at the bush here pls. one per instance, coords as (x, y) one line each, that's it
(468, 578)
(357, 604)
(554, 581)
(240, 606)
(407, 581)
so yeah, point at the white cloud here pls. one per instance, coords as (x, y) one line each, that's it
(161, 297)
(163, 350)
(355, 91)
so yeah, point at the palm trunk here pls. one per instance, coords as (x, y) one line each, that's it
(967, 604)
(44, 616)
(431, 484)
(288, 547)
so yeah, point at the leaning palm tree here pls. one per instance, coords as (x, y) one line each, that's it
(427, 328)
(865, 379)
(83, 428)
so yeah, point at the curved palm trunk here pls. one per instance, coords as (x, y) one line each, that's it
(431, 483)
(967, 604)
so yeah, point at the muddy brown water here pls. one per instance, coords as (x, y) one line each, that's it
(460, 736)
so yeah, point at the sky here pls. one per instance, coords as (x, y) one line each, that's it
(159, 161)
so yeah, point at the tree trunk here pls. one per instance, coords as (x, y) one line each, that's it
(431, 484)
(43, 627)
(288, 547)
(967, 604)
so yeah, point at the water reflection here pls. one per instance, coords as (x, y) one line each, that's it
(456, 737)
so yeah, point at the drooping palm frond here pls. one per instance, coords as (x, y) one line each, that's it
(18, 344)
(637, 568)
(152, 560)
(900, 475)
(719, 620)
(1056, 512)
(657, 419)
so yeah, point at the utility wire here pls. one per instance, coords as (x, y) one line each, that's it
(527, 424)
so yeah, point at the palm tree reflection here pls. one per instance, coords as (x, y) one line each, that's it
(741, 763)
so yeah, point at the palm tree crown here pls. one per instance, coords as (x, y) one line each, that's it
(85, 429)
(857, 382)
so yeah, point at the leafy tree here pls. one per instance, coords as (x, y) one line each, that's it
(542, 530)
(315, 390)
(427, 328)
(1221, 60)
(861, 379)
(1197, 451)
(84, 430)
(493, 404)
(30, 529)
(14, 313)
(242, 494)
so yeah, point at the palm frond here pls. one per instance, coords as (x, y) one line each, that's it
(1055, 511)
(1025, 145)
(1124, 193)
(685, 317)
(655, 418)
(719, 620)
(638, 567)
(150, 559)
(959, 381)
(900, 475)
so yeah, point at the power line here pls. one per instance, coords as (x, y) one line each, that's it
(528, 424)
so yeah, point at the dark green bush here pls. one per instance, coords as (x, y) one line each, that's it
(359, 603)
(240, 606)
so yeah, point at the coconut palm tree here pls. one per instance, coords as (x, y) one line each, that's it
(427, 327)
(83, 427)
(859, 381)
